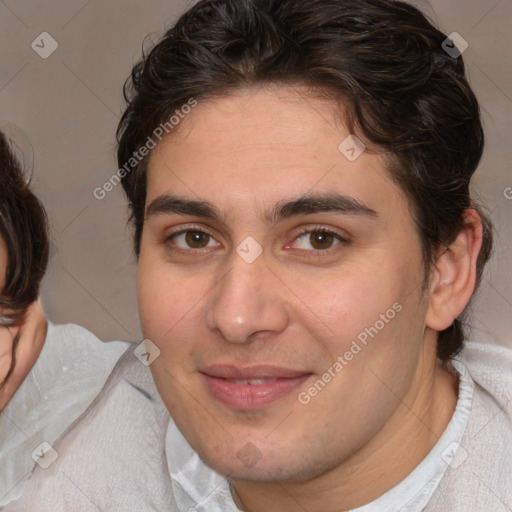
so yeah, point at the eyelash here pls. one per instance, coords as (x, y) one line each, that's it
(302, 231)
(179, 250)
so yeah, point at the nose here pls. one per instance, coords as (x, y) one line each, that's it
(247, 303)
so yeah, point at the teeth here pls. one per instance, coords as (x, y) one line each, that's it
(253, 382)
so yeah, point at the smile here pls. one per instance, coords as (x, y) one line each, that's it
(251, 388)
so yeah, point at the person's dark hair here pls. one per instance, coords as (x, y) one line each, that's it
(382, 59)
(24, 228)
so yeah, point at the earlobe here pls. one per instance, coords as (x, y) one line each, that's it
(453, 279)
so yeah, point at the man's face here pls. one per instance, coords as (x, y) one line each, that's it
(340, 273)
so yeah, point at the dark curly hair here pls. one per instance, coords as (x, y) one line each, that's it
(24, 228)
(382, 59)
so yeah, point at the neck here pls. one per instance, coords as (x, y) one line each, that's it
(382, 463)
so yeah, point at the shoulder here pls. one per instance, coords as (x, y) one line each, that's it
(480, 475)
(68, 376)
(113, 457)
(70, 348)
(490, 366)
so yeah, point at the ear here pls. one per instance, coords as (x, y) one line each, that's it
(453, 280)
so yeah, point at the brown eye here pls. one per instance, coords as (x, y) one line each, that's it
(197, 239)
(317, 240)
(191, 239)
(321, 240)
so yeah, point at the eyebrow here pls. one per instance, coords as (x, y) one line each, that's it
(305, 205)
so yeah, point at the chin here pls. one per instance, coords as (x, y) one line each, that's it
(264, 465)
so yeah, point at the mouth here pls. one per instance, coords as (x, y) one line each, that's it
(253, 387)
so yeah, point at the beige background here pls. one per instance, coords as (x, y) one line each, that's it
(68, 106)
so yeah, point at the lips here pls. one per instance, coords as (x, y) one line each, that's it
(232, 372)
(251, 387)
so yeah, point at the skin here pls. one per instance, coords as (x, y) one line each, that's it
(299, 305)
(32, 336)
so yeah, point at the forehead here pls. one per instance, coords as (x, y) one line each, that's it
(272, 120)
(265, 145)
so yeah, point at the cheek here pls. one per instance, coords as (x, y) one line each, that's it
(339, 304)
(168, 301)
(154, 296)
(370, 314)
